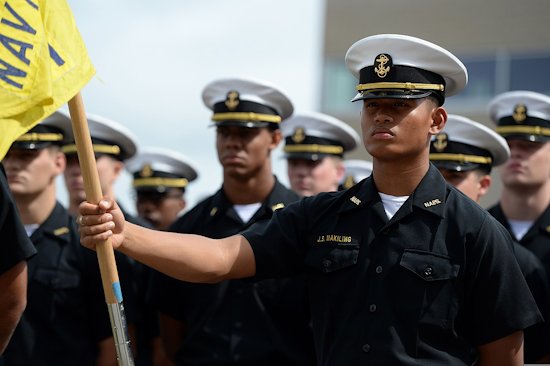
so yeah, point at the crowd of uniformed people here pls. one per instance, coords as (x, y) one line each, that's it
(374, 262)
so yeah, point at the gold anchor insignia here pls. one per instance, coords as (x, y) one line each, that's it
(349, 182)
(232, 100)
(380, 65)
(440, 142)
(146, 171)
(299, 135)
(520, 113)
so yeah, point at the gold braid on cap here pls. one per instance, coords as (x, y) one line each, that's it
(41, 137)
(461, 158)
(246, 116)
(531, 130)
(158, 181)
(392, 85)
(314, 148)
(102, 149)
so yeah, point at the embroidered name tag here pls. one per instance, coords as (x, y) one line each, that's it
(432, 203)
(337, 239)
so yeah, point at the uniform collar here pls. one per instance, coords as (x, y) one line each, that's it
(275, 200)
(55, 225)
(429, 195)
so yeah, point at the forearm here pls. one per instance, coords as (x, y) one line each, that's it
(191, 258)
(13, 300)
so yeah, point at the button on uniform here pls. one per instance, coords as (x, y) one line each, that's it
(379, 269)
(326, 263)
(372, 308)
(366, 348)
(428, 271)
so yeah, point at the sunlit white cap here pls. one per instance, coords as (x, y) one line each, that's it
(159, 169)
(246, 102)
(314, 135)
(465, 145)
(521, 115)
(399, 66)
(108, 137)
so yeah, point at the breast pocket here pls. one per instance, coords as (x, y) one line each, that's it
(425, 287)
(61, 288)
(331, 268)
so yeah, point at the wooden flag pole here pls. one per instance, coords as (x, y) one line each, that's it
(105, 252)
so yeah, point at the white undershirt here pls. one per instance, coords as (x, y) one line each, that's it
(392, 203)
(246, 212)
(520, 228)
(30, 229)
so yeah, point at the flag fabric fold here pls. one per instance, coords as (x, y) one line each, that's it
(43, 64)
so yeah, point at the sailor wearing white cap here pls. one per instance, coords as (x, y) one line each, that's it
(314, 146)
(402, 268)
(356, 171)
(160, 178)
(112, 144)
(269, 323)
(523, 119)
(464, 153)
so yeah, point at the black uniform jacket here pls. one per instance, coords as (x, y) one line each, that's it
(237, 323)
(533, 256)
(424, 288)
(537, 239)
(66, 315)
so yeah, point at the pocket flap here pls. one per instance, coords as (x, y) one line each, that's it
(57, 279)
(430, 266)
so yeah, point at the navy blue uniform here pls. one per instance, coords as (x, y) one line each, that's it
(236, 323)
(426, 287)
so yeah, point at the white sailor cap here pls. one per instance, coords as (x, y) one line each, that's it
(521, 115)
(159, 170)
(398, 66)
(356, 171)
(246, 102)
(313, 136)
(44, 134)
(108, 137)
(465, 145)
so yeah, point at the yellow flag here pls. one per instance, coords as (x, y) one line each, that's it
(43, 64)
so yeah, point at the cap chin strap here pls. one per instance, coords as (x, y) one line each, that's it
(246, 116)
(528, 130)
(405, 86)
(461, 158)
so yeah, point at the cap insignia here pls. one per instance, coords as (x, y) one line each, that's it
(299, 135)
(232, 100)
(520, 113)
(382, 65)
(146, 171)
(440, 142)
(349, 182)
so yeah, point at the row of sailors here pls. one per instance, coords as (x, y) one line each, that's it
(56, 323)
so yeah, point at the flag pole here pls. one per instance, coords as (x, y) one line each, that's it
(105, 252)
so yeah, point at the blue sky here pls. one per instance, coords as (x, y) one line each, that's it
(154, 59)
